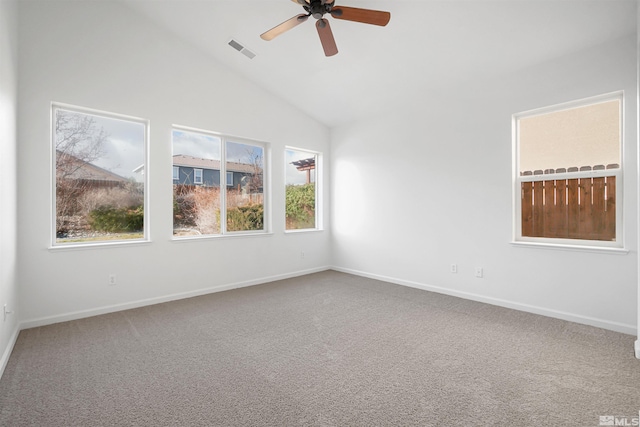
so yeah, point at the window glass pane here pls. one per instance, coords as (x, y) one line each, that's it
(197, 176)
(245, 199)
(300, 182)
(583, 144)
(196, 193)
(575, 137)
(99, 177)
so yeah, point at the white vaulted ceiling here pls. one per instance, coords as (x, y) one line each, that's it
(427, 46)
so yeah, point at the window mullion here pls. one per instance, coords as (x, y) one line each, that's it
(223, 186)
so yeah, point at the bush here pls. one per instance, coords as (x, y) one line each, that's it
(241, 218)
(196, 207)
(121, 196)
(117, 220)
(301, 206)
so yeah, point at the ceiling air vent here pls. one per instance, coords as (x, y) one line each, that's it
(241, 48)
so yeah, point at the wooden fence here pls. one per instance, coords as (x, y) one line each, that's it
(573, 208)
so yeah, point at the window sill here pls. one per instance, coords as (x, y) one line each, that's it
(303, 230)
(568, 247)
(219, 236)
(97, 245)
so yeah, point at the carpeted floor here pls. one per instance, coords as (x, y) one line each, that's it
(328, 349)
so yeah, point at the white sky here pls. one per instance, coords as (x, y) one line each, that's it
(196, 145)
(123, 151)
(208, 147)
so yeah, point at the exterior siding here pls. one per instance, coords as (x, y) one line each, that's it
(210, 177)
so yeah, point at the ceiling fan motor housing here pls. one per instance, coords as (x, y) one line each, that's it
(317, 8)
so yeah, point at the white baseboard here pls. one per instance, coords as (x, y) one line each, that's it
(571, 317)
(43, 321)
(637, 347)
(7, 351)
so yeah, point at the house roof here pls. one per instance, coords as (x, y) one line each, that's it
(79, 169)
(198, 162)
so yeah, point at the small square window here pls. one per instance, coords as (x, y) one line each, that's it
(229, 179)
(197, 176)
(176, 173)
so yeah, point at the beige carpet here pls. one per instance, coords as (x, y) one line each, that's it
(328, 349)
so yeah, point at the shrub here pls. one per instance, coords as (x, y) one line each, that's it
(117, 220)
(197, 207)
(121, 196)
(301, 206)
(76, 199)
(250, 217)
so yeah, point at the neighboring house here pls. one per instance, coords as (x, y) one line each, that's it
(189, 170)
(73, 168)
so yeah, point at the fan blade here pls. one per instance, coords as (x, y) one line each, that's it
(366, 16)
(326, 37)
(285, 26)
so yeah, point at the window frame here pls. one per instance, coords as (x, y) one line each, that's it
(228, 181)
(224, 138)
(266, 180)
(318, 190)
(517, 180)
(176, 173)
(197, 181)
(54, 245)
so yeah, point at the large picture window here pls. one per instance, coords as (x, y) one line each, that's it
(568, 172)
(301, 190)
(98, 196)
(201, 207)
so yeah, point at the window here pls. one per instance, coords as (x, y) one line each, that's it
(98, 184)
(300, 187)
(176, 173)
(205, 210)
(197, 176)
(568, 173)
(245, 200)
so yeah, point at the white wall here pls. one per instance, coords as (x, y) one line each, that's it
(430, 184)
(104, 56)
(413, 190)
(8, 239)
(637, 343)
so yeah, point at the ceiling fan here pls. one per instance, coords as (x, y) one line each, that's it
(317, 9)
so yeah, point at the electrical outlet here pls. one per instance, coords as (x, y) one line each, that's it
(302, 254)
(112, 279)
(454, 268)
(479, 272)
